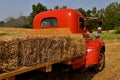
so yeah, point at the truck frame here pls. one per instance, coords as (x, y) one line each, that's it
(75, 22)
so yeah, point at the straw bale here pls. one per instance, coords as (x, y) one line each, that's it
(22, 47)
(48, 48)
(8, 55)
(9, 48)
(53, 31)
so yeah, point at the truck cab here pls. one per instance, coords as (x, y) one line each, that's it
(75, 21)
(63, 18)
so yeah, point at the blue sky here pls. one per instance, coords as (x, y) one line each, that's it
(14, 8)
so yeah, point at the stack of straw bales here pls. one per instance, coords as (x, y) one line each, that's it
(21, 47)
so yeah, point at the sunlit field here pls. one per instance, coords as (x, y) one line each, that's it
(110, 36)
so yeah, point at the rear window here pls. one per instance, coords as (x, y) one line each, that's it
(47, 22)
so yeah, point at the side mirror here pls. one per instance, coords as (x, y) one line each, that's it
(100, 21)
(99, 31)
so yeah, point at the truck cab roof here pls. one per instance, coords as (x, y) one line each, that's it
(61, 18)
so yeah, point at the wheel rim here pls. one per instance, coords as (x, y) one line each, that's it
(101, 61)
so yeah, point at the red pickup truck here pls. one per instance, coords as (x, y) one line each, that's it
(75, 21)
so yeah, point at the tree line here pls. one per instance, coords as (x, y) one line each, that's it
(110, 16)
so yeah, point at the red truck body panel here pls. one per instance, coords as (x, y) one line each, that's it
(93, 49)
(69, 18)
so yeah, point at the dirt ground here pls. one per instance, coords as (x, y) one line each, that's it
(110, 72)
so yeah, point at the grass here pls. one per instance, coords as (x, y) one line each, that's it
(3, 33)
(110, 36)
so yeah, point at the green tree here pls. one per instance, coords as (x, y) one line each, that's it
(10, 22)
(92, 24)
(94, 11)
(35, 10)
(82, 11)
(19, 22)
(63, 7)
(2, 23)
(56, 7)
(88, 13)
(110, 16)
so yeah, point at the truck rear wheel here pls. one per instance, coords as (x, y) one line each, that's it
(101, 62)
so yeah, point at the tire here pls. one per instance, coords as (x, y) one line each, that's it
(101, 62)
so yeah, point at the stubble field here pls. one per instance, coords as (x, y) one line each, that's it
(112, 66)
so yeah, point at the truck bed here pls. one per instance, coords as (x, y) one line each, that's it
(47, 67)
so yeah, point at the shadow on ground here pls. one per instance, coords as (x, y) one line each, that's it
(58, 73)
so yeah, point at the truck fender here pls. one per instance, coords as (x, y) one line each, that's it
(93, 51)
